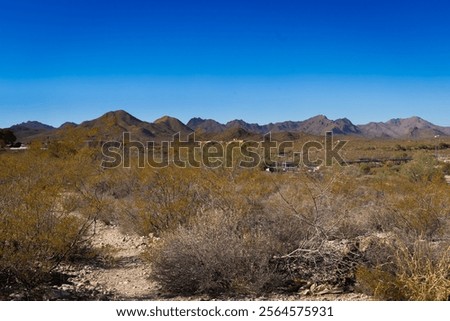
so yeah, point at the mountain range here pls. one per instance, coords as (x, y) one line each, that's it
(112, 124)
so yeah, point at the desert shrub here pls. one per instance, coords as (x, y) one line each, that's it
(37, 229)
(223, 253)
(304, 198)
(421, 211)
(422, 169)
(412, 203)
(415, 272)
(379, 283)
(162, 200)
(351, 203)
(424, 271)
(332, 205)
(330, 264)
(411, 207)
(122, 182)
(365, 169)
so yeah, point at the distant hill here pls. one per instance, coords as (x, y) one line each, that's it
(28, 129)
(206, 125)
(251, 128)
(109, 126)
(320, 124)
(413, 127)
(112, 125)
(317, 125)
(68, 124)
(169, 126)
(235, 133)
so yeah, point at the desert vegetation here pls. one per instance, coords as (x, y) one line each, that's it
(378, 229)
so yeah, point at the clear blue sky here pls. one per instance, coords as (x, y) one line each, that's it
(261, 61)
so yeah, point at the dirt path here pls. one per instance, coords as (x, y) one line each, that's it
(124, 274)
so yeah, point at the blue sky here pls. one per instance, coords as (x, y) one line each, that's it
(261, 61)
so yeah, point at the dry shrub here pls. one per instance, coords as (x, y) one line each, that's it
(379, 283)
(424, 271)
(422, 210)
(412, 203)
(331, 204)
(411, 207)
(222, 253)
(330, 263)
(418, 272)
(162, 200)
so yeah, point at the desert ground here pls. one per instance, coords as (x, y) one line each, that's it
(375, 229)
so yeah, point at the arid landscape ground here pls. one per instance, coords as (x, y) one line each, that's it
(375, 226)
(124, 275)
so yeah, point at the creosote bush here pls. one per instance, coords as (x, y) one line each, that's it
(38, 227)
(162, 200)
